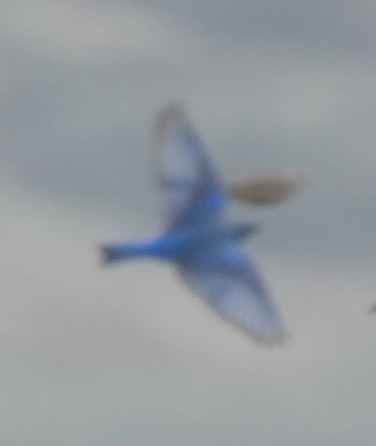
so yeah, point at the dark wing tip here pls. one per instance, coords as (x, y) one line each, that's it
(277, 339)
(169, 116)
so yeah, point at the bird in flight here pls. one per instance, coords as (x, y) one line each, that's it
(199, 237)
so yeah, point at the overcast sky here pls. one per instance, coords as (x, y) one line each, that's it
(92, 357)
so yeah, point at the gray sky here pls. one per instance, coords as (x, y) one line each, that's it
(91, 357)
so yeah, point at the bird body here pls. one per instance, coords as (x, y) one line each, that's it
(180, 244)
(199, 238)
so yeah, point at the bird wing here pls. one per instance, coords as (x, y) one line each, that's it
(231, 285)
(194, 193)
(266, 189)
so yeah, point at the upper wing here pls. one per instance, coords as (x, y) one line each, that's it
(230, 284)
(266, 189)
(194, 193)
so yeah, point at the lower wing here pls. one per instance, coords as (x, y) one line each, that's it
(230, 284)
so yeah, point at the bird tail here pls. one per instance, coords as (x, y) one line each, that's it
(113, 253)
(107, 254)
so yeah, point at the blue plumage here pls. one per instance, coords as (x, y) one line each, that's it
(198, 236)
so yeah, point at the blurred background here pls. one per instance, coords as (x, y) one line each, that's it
(129, 355)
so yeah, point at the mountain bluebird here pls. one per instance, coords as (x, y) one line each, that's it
(199, 237)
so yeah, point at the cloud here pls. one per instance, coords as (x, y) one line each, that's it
(84, 32)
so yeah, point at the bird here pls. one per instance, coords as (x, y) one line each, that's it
(199, 237)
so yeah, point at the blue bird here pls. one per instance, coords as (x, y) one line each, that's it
(198, 236)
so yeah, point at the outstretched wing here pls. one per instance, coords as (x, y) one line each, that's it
(230, 284)
(193, 191)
